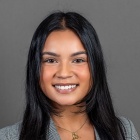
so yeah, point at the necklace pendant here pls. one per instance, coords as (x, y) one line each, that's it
(74, 136)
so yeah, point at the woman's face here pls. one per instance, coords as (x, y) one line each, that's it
(65, 74)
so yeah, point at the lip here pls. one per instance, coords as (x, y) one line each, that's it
(65, 84)
(65, 91)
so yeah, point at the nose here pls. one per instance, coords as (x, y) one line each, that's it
(64, 71)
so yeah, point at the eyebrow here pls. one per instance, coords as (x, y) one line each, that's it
(78, 53)
(57, 55)
(50, 53)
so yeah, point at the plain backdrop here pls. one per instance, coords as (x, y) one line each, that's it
(117, 23)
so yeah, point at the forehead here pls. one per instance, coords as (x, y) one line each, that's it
(65, 40)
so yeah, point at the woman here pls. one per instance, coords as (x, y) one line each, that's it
(66, 87)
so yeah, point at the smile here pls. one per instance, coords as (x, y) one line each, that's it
(65, 87)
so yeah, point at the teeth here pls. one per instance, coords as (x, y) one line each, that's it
(65, 87)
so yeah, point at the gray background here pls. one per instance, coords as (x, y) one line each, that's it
(118, 25)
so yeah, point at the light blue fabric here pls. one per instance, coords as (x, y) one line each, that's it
(12, 132)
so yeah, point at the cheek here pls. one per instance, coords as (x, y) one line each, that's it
(46, 76)
(83, 73)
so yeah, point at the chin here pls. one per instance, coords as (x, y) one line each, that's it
(66, 103)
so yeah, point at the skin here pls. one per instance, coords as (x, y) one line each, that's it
(64, 63)
(64, 68)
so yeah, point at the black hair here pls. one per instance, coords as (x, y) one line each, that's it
(99, 106)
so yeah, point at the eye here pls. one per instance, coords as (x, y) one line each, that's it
(78, 60)
(50, 60)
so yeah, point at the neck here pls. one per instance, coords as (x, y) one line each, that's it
(69, 119)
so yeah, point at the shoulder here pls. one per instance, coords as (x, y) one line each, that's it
(129, 129)
(10, 132)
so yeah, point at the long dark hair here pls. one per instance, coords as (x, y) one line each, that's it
(99, 106)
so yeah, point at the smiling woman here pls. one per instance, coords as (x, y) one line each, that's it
(65, 75)
(66, 87)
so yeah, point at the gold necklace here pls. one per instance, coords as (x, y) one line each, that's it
(74, 134)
